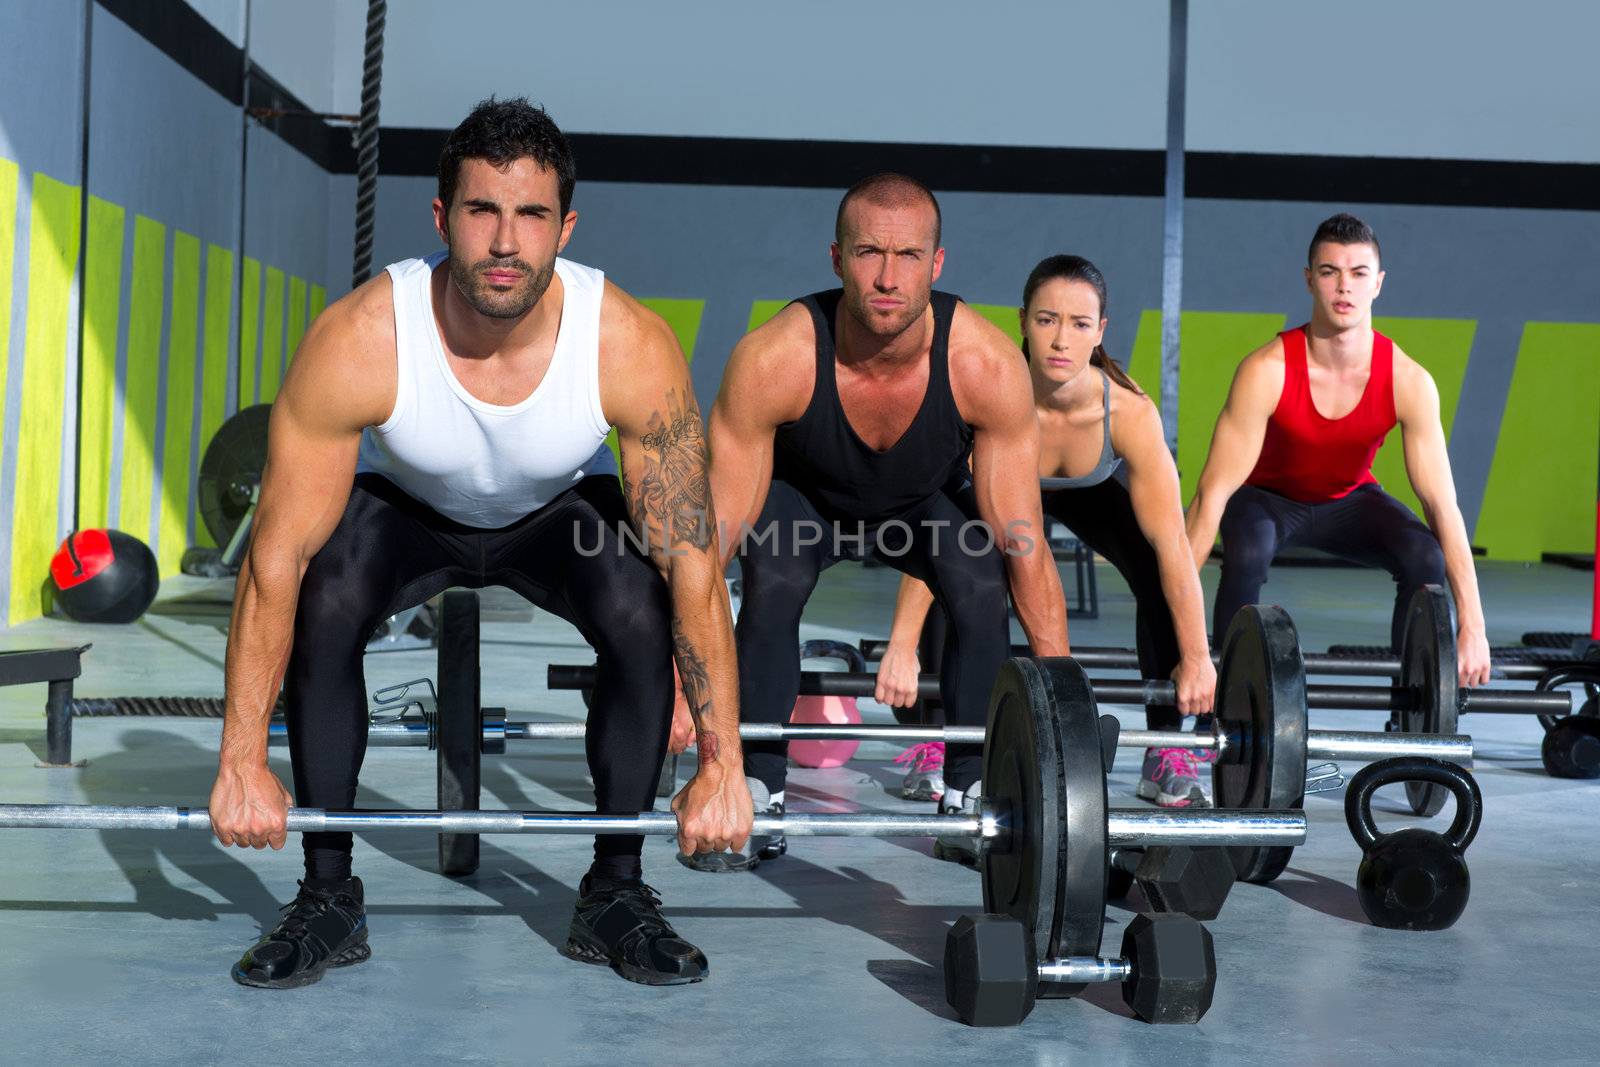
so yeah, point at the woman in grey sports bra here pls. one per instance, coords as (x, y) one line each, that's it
(1106, 474)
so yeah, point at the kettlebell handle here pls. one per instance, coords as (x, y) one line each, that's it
(822, 648)
(1374, 776)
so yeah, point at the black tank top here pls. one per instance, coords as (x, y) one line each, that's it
(821, 455)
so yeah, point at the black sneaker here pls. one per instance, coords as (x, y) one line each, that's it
(759, 847)
(619, 923)
(321, 928)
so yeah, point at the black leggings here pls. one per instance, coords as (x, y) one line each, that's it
(391, 551)
(1368, 526)
(1101, 516)
(932, 542)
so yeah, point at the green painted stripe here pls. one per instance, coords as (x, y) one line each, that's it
(146, 294)
(249, 329)
(9, 175)
(271, 337)
(1212, 343)
(297, 319)
(684, 318)
(762, 310)
(319, 300)
(1442, 347)
(1540, 493)
(53, 234)
(1144, 362)
(214, 375)
(1003, 316)
(102, 299)
(183, 337)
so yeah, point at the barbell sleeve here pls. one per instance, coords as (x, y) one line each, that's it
(1517, 702)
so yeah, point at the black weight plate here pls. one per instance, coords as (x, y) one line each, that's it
(460, 725)
(1020, 756)
(1261, 708)
(229, 469)
(1083, 857)
(1048, 785)
(1428, 672)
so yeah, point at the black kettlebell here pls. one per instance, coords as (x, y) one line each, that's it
(821, 648)
(1413, 879)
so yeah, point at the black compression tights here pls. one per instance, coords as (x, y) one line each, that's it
(779, 574)
(391, 551)
(1367, 526)
(1101, 516)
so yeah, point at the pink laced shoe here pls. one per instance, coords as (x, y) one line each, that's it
(925, 771)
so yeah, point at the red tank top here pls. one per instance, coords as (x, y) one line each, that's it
(1312, 459)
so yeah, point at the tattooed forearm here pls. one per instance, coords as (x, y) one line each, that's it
(693, 675)
(670, 502)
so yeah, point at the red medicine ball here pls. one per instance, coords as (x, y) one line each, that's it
(104, 576)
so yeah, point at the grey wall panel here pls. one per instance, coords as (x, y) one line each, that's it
(1466, 79)
(286, 211)
(162, 144)
(41, 80)
(1008, 72)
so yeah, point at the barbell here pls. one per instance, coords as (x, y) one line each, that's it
(1044, 827)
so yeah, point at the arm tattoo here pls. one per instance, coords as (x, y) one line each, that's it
(706, 745)
(673, 493)
(692, 674)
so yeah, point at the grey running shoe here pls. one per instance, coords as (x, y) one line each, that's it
(759, 847)
(1171, 779)
(924, 771)
(959, 848)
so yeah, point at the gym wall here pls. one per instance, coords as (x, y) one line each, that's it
(1491, 276)
(163, 292)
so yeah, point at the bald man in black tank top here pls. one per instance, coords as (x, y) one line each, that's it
(843, 429)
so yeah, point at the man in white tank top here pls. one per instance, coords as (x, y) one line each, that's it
(445, 425)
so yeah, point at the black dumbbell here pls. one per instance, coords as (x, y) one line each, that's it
(1413, 879)
(1168, 969)
(1174, 878)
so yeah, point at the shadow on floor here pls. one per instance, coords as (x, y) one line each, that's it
(1326, 895)
(187, 770)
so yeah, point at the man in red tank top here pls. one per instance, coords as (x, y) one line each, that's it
(1291, 458)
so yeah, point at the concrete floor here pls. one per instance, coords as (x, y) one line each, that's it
(117, 945)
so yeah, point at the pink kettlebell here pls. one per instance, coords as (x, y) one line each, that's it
(832, 710)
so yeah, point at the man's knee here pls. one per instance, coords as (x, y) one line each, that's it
(631, 613)
(1247, 557)
(776, 583)
(974, 595)
(1418, 559)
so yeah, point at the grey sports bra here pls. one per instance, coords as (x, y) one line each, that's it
(1109, 464)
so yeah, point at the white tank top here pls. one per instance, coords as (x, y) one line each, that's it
(482, 464)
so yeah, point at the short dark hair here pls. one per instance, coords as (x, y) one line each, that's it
(502, 131)
(1343, 229)
(889, 190)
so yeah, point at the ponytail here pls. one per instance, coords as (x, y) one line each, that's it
(1109, 366)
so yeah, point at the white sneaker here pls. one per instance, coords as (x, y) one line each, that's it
(959, 848)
